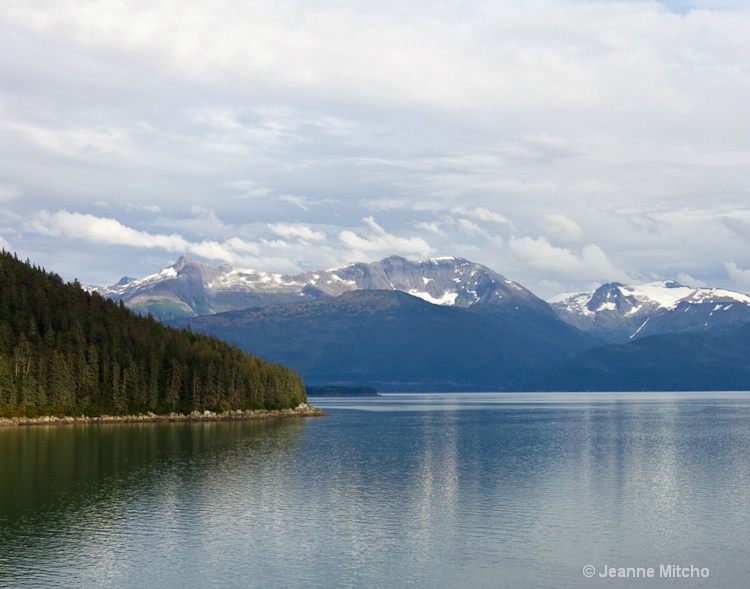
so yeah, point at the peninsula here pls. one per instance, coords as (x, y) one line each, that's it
(67, 355)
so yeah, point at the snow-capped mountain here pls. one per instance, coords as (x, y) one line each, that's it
(189, 288)
(618, 313)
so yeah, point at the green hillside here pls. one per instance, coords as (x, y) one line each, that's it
(64, 351)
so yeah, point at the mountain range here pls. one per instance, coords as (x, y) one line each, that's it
(189, 288)
(440, 324)
(616, 313)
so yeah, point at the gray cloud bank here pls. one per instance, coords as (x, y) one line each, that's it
(562, 143)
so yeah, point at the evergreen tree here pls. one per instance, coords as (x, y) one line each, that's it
(64, 350)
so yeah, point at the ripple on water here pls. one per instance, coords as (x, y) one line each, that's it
(417, 492)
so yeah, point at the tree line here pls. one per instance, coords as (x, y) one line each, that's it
(66, 351)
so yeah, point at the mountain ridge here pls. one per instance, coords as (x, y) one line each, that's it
(613, 313)
(617, 313)
(189, 288)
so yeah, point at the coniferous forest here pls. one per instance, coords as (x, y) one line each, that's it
(64, 351)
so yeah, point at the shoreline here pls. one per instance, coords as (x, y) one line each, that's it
(302, 410)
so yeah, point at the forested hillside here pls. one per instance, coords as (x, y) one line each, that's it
(68, 352)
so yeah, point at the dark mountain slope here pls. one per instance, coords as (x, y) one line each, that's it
(668, 362)
(395, 341)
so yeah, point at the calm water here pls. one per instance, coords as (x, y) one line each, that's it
(419, 491)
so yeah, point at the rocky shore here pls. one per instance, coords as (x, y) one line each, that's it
(302, 410)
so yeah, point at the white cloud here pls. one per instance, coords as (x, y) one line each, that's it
(301, 232)
(99, 230)
(73, 141)
(377, 241)
(739, 276)
(482, 214)
(562, 227)
(433, 227)
(470, 228)
(107, 231)
(249, 189)
(687, 280)
(388, 204)
(242, 247)
(540, 254)
(276, 244)
(465, 122)
(149, 208)
(402, 204)
(298, 201)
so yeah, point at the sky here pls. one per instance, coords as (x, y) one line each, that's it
(562, 143)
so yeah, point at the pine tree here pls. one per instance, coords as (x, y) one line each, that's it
(63, 347)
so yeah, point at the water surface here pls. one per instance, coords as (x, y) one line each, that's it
(491, 490)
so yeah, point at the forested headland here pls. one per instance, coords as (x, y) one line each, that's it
(65, 351)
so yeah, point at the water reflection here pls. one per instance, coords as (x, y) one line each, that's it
(549, 484)
(92, 500)
(406, 491)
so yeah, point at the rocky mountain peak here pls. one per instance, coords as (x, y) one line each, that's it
(181, 262)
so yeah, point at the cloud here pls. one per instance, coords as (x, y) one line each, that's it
(298, 201)
(249, 189)
(433, 227)
(470, 228)
(72, 141)
(562, 227)
(687, 280)
(404, 203)
(457, 124)
(739, 276)
(301, 232)
(377, 241)
(242, 247)
(482, 214)
(540, 254)
(448, 224)
(149, 208)
(99, 230)
(8, 192)
(107, 231)
(739, 224)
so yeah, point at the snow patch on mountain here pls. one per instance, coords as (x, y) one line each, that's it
(448, 298)
(662, 295)
(665, 294)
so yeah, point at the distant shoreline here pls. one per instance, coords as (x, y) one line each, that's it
(302, 410)
(341, 391)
